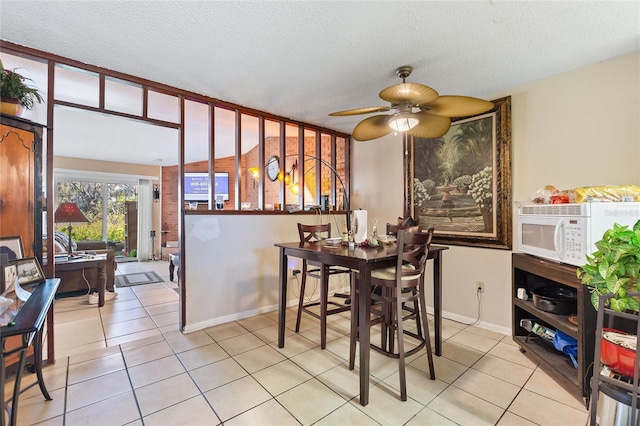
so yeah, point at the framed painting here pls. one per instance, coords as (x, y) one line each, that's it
(460, 183)
(12, 247)
(29, 271)
(9, 274)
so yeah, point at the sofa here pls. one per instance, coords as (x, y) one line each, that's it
(74, 281)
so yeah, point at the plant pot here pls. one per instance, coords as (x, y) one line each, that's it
(617, 357)
(11, 106)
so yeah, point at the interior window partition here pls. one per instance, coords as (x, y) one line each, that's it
(68, 84)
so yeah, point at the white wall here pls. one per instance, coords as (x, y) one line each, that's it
(576, 129)
(232, 265)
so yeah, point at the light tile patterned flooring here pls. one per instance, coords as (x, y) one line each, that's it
(127, 363)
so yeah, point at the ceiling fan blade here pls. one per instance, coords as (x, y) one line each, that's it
(431, 126)
(357, 111)
(413, 93)
(458, 106)
(372, 128)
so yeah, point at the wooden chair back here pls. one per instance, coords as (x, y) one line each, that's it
(311, 233)
(393, 229)
(414, 247)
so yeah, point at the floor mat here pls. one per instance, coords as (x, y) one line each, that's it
(137, 278)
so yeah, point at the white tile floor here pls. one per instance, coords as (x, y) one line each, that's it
(127, 363)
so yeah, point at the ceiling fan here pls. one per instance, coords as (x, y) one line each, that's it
(419, 110)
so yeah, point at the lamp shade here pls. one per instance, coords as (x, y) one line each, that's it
(69, 213)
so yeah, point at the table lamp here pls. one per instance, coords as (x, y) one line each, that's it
(70, 213)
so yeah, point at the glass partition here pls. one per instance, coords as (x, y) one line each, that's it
(327, 200)
(309, 170)
(292, 199)
(196, 187)
(122, 96)
(341, 164)
(224, 130)
(249, 158)
(271, 149)
(161, 106)
(36, 71)
(76, 85)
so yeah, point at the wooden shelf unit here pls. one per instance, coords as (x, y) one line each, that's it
(531, 272)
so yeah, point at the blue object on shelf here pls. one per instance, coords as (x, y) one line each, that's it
(567, 344)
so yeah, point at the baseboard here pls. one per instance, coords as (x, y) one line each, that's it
(235, 317)
(471, 321)
(266, 309)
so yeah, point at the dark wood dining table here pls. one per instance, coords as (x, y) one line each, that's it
(363, 259)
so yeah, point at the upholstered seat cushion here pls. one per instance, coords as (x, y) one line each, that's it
(389, 274)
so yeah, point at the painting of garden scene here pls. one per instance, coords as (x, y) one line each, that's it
(460, 183)
(454, 180)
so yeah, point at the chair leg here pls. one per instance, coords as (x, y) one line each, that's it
(385, 310)
(393, 327)
(324, 289)
(425, 325)
(354, 325)
(417, 311)
(400, 334)
(301, 301)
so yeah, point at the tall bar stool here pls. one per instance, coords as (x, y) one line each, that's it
(311, 233)
(387, 333)
(399, 284)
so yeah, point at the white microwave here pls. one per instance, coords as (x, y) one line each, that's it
(567, 233)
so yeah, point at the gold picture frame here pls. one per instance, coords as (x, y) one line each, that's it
(460, 183)
(29, 271)
(12, 247)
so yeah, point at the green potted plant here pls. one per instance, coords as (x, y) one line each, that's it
(15, 93)
(614, 268)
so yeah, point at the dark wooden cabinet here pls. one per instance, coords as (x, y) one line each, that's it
(530, 272)
(21, 193)
(130, 225)
(21, 182)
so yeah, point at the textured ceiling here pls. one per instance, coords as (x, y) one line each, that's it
(304, 60)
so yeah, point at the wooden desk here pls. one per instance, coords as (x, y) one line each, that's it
(28, 324)
(98, 261)
(363, 259)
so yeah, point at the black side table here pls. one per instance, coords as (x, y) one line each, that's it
(27, 324)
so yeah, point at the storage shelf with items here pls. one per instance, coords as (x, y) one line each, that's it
(531, 273)
(613, 379)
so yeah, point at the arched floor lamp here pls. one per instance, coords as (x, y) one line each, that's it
(309, 157)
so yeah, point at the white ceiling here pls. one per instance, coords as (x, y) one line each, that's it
(303, 60)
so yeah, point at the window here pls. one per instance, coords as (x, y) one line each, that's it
(102, 203)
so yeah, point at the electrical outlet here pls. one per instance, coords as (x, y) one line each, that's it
(293, 271)
(480, 286)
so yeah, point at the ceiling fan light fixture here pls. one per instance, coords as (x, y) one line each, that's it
(402, 122)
